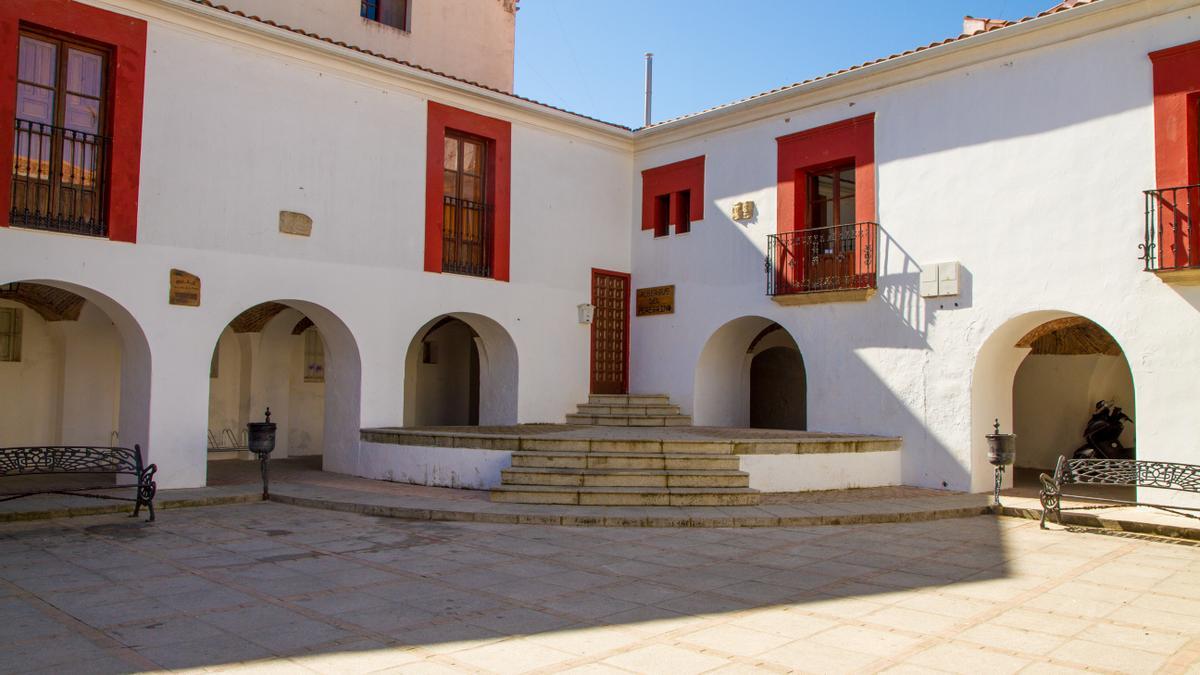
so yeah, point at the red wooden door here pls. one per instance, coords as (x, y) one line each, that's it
(610, 332)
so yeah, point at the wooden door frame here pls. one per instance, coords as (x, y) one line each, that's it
(592, 328)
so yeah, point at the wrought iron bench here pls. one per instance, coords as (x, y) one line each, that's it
(60, 460)
(1118, 472)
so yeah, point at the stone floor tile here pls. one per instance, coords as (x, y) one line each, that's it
(912, 620)
(165, 632)
(214, 650)
(1112, 657)
(590, 641)
(511, 656)
(735, 640)
(1032, 641)
(867, 640)
(955, 657)
(665, 658)
(812, 657)
(587, 605)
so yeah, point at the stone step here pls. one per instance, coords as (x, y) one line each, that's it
(626, 460)
(629, 399)
(625, 477)
(625, 496)
(631, 421)
(624, 410)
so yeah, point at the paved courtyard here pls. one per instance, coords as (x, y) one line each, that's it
(270, 587)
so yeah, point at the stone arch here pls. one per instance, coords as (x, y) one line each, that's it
(78, 315)
(461, 369)
(265, 338)
(725, 388)
(1039, 374)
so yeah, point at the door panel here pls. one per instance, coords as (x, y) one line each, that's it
(610, 333)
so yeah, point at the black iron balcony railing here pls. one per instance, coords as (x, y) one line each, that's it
(837, 258)
(1172, 236)
(466, 237)
(58, 179)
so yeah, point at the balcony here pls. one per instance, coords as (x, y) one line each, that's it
(58, 179)
(824, 264)
(1172, 237)
(466, 237)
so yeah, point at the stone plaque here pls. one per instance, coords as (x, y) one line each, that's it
(298, 224)
(185, 289)
(656, 300)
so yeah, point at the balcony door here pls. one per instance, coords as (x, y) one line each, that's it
(466, 224)
(59, 147)
(829, 244)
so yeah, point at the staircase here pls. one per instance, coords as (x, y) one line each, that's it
(627, 471)
(629, 410)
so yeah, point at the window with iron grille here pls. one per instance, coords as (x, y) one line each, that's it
(314, 356)
(10, 334)
(466, 222)
(392, 13)
(60, 150)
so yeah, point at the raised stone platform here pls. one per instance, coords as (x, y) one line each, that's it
(629, 466)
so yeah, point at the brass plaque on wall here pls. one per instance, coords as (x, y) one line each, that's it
(656, 300)
(185, 289)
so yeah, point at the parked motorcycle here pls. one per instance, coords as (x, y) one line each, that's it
(1103, 434)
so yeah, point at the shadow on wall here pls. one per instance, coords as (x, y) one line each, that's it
(461, 369)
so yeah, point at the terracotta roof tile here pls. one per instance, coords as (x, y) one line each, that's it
(1065, 5)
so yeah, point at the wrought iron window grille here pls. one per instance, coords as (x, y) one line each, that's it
(59, 179)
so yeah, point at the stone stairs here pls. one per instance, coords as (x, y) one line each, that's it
(628, 473)
(629, 410)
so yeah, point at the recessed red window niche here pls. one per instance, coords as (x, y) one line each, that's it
(460, 225)
(123, 38)
(809, 152)
(673, 194)
(1177, 153)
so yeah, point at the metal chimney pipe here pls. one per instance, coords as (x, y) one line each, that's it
(649, 85)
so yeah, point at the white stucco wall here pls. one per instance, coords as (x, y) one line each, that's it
(1022, 166)
(832, 471)
(438, 467)
(236, 128)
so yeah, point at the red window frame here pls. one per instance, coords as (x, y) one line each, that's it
(850, 141)
(1177, 152)
(125, 37)
(498, 185)
(676, 181)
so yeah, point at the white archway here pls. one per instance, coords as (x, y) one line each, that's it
(461, 368)
(264, 357)
(84, 368)
(723, 375)
(1045, 399)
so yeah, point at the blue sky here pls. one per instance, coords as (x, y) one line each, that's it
(586, 55)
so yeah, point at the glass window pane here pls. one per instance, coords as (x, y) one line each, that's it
(37, 61)
(6, 348)
(822, 214)
(393, 13)
(472, 189)
(85, 73)
(35, 104)
(822, 187)
(450, 154)
(847, 211)
(5, 321)
(846, 175)
(450, 184)
(473, 158)
(82, 114)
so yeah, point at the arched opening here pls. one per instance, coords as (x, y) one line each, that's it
(1041, 375)
(74, 368)
(299, 360)
(751, 373)
(460, 370)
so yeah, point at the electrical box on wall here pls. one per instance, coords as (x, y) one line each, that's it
(939, 279)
